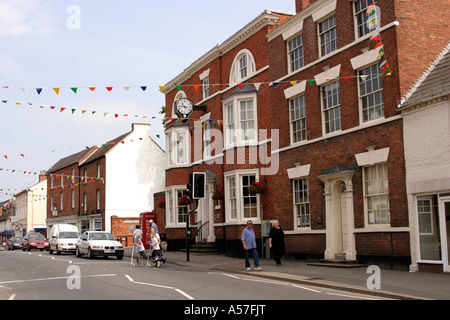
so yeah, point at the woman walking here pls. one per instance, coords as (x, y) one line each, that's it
(276, 242)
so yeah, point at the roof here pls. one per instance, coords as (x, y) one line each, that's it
(67, 161)
(245, 88)
(435, 82)
(102, 151)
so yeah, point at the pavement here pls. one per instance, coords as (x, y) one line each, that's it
(393, 284)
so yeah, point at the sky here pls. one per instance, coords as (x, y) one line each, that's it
(100, 44)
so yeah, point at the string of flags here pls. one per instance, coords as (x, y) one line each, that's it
(104, 145)
(162, 88)
(83, 111)
(88, 180)
(73, 89)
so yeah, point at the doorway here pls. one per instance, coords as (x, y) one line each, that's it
(445, 234)
(340, 242)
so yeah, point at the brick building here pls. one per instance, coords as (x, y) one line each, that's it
(305, 104)
(105, 183)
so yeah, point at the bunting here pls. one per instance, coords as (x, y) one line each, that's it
(196, 87)
(103, 145)
(73, 110)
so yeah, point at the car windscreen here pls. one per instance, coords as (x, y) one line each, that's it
(101, 236)
(37, 237)
(68, 235)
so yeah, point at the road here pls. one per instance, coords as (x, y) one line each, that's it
(38, 275)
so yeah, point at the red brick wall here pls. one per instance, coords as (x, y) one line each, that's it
(120, 230)
(409, 48)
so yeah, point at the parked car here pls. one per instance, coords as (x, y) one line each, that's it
(63, 238)
(14, 243)
(34, 240)
(99, 243)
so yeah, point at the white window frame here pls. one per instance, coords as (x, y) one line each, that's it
(290, 52)
(302, 204)
(239, 216)
(205, 88)
(234, 137)
(62, 200)
(73, 198)
(301, 99)
(366, 196)
(236, 75)
(327, 109)
(174, 157)
(370, 80)
(62, 179)
(73, 175)
(172, 207)
(324, 32)
(98, 195)
(206, 139)
(362, 13)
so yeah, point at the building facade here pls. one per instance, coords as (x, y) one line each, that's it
(31, 209)
(117, 179)
(426, 106)
(307, 105)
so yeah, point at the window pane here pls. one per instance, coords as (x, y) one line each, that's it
(371, 93)
(429, 230)
(376, 194)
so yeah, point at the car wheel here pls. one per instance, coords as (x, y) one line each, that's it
(29, 248)
(89, 255)
(77, 252)
(120, 256)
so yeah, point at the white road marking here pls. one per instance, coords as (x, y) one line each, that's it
(154, 285)
(231, 276)
(304, 288)
(129, 278)
(57, 278)
(160, 286)
(184, 294)
(11, 297)
(350, 296)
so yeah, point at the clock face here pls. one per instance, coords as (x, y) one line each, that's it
(184, 107)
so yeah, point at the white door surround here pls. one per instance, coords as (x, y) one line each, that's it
(338, 191)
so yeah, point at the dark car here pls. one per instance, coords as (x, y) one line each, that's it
(34, 240)
(14, 243)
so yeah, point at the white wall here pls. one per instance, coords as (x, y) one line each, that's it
(427, 147)
(134, 172)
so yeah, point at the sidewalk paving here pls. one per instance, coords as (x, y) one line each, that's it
(394, 284)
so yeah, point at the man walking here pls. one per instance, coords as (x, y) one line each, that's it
(249, 244)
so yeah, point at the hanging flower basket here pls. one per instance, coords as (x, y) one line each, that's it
(184, 201)
(218, 194)
(161, 204)
(256, 188)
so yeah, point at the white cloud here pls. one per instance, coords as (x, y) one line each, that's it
(19, 17)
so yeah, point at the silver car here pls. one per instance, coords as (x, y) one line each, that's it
(99, 244)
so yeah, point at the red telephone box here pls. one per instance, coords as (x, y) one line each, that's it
(144, 221)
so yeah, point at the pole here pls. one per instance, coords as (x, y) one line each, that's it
(187, 228)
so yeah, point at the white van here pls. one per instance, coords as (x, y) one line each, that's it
(63, 238)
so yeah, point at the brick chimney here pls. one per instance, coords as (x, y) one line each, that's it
(302, 4)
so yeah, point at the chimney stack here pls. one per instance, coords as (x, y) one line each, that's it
(302, 4)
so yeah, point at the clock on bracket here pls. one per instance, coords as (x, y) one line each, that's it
(184, 107)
